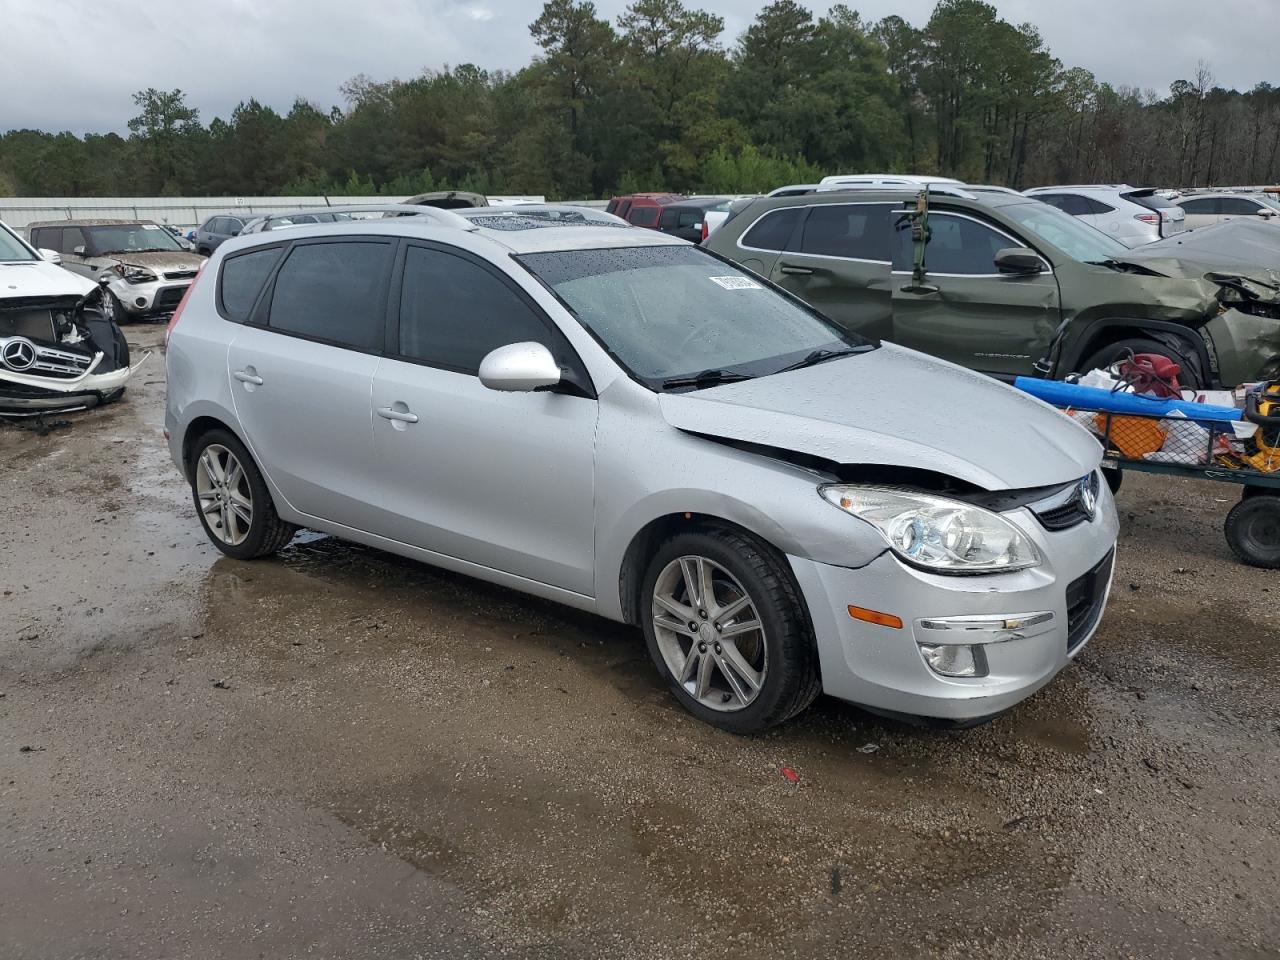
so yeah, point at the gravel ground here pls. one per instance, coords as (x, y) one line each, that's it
(339, 753)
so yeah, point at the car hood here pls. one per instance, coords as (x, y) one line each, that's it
(896, 407)
(1237, 253)
(164, 261)
(40, 278)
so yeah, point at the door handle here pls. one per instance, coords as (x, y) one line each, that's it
(391, 413)
(244, 376)
(796, 271)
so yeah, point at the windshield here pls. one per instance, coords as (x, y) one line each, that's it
(11, 248)
(670, 312)
(1077, 240)
(133, 238)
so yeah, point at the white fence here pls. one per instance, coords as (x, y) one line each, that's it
(184, 212)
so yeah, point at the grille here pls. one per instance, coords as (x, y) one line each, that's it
(180, 275)
(169, 297)
(1084, 601)
(46, 361)
(1063, 514)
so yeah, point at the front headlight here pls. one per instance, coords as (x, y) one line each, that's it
(133, 274)
(941, 535)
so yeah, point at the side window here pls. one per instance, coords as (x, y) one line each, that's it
(39, 238)
(1096, 206)
(242, 278)
(1054, 200)
(957, 245)
(623, 207)
(333, 292)
(1201, 205)
(72, 237)
(857, 231)
(453, 312)
(643, 216)
(773, 230)
(612, 206)
(689, 218)
(1239, 207)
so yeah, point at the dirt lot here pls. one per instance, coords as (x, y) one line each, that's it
(339, 753)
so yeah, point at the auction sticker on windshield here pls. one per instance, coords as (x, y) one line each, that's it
(736, 283)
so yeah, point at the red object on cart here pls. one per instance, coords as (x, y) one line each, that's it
(1151, 374)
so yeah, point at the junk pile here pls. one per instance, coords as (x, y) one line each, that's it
(1140, 412)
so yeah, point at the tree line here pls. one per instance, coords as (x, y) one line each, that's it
(658, 100)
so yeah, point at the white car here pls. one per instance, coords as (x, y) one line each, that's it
(1205, 209)
(1132, 215)
(59, 350)
(888, 181)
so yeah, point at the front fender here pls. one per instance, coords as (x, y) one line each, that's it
(1247, 346)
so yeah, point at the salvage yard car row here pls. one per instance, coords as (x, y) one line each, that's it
(719, 446)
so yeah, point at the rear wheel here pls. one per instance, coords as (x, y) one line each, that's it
(1253, 529)
(1191, 376)
(232, 499)
(726, 627)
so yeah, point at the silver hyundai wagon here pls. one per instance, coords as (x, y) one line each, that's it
(620, 421)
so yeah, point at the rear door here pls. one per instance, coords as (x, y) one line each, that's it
(301, 372)
(839, 263)
(1241, 207)
(503, 480)
(966, 311)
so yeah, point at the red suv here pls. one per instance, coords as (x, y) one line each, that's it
(641, 209)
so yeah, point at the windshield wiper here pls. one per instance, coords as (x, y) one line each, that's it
(707, 378)
(822, 356)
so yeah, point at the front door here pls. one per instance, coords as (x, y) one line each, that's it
(503, 480)
(966, 311)
(301, 374)
(839, 264)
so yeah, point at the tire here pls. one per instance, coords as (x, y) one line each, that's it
(780, 653)
(1253, 530)
(222, 509)
(1191, 376)
(112, 307)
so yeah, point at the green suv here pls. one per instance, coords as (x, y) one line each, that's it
(1007, 285)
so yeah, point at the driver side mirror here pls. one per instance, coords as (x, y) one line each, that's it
(519, 368)
(1266, 214)
(1021, 260)
(53, 256)
(78, 251)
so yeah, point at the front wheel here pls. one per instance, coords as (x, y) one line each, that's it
(232, 499)
(726, 626)
(1253, 529)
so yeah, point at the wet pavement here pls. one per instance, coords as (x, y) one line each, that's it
(340, 753)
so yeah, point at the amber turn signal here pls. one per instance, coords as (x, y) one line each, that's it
(875, 616)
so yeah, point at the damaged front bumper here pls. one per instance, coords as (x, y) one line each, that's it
(60, 354)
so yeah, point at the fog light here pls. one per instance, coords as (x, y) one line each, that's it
(141, 301)
(955, 659)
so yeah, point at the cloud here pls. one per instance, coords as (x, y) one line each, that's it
(74, 64)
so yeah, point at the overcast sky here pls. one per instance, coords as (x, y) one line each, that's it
(73, 64)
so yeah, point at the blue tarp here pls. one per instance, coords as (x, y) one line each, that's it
(1094, 398)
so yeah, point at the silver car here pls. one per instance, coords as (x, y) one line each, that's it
(620, 421)
(144, 268)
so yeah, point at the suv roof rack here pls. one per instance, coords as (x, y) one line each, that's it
(443, 218)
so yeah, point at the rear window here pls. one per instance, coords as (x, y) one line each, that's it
(853, 231)
(241, 281)
(773, 230)
(1150, 200)
(333, 292)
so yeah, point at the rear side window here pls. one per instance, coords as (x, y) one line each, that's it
(453, 312)
(1150, 200)
(669, 218)
(1202, 205)
(333, 292)
(689, 218)
(773, 230)
(241, 280)
(643, 216)
(855, 231)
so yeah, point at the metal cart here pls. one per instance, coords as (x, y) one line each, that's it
(1210, 450)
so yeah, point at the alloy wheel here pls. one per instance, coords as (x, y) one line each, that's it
(709, 633)
(226, 499)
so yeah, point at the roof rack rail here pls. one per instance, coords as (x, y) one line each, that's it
(443, 218)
